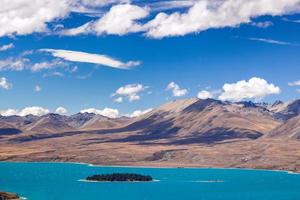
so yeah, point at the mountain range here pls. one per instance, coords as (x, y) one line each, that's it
(188, 132)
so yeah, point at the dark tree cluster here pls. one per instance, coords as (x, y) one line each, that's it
(119, 177)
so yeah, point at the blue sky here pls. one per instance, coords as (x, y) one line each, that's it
(34, 70)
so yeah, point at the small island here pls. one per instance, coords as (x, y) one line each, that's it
(119, 177)
(8, 196)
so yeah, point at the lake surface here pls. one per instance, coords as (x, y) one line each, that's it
(60, 181)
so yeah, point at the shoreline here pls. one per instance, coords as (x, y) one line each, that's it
(154, 167)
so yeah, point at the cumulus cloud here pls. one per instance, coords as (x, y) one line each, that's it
(119, 20)
(131, 92)
(77, 56)
(204, 94)
(61, 110)
(209, 14)
(6, 47)
(107, 112)
(254, 88)
(138, 113)
(5, 84)
(21, 17)
(176, 90)
(37, 88)
(35, 110)
(295, 83)
(271, 41)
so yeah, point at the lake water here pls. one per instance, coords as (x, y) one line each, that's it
(60, 181)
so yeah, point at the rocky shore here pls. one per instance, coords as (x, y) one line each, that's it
(9, 196)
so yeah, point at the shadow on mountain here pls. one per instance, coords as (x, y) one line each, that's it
(217, 135)
(155, 131)
(151, 129)
(202, 104)
(9, 131)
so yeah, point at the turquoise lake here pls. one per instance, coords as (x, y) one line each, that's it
(60, 181)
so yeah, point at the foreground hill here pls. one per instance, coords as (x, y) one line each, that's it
(289, 129)
(190, 132)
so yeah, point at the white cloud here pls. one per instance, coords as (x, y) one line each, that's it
(207, 14)
(8, 112)
(37, 88)
(6, 47)
(254, 88)
(270, 41)
(119, 20)
(130, 91)
(138, 113)
(13, 64)
(22, 17)
(291, 20)
(264, 24)
(204, 94)
(5, 84)
(295, 83)
(107, 112)
(77, 56)
(118, 100)
(57, 74)
(18, 17)
(47, 65)
(171, 4)
(176, 90)
(61, 110)
(35, 110)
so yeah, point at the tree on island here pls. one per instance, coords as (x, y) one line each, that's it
(119, 177)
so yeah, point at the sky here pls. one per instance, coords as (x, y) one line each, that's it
(119, 57)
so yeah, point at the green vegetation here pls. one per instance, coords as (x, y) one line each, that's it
(119, 177)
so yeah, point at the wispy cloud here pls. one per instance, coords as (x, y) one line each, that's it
(57, 74)
(48, 65)
(294, 83)
(169, 5)
(78, 56)
(271, 41)
(291, 20)
(13, 64)
(264, 24)
(7, 47)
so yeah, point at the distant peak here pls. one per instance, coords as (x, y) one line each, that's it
(278, 102)
(247, 104)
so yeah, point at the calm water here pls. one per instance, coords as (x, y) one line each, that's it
(57, 181)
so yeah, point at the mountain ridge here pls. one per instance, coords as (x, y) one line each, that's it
(187, 132)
